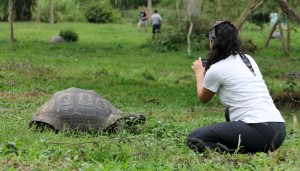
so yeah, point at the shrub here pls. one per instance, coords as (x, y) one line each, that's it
(69, 35)
(172, 38)
(169, 39)
(101, 12)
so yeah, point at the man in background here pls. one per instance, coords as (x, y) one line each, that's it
(156, 21)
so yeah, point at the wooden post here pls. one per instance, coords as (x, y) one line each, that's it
(51, 12)
(11, 20)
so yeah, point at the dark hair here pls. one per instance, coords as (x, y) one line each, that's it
(226, 43)
(155, 11)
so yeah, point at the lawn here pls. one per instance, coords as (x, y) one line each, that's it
(116, 61)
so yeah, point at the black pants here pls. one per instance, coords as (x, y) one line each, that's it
(156, 28)
(255, 137)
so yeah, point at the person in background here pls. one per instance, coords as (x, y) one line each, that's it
(273, 19)
(156, 21)
(254, 124)
(143, 21)
(284, 23)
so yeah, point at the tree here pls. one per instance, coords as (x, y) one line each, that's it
(289, 10)
(21, 9)
(51, 12)
(149, 8)
(11, 19)
(252, 6)
(38, 11)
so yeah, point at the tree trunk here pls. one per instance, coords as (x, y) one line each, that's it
(187, 7)
(149, 8)
(38, 11)
(289, 10)
(189, 38)
(11, 20)
(271, 33)
(283, 40)
(252, 6)
(22, 14)
(178, 13)
(288, 37)
(51, 12)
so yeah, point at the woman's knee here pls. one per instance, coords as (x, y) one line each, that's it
(195, 142)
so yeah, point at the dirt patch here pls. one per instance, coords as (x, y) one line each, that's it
(31, 93)
(36, 92)
(282, 99)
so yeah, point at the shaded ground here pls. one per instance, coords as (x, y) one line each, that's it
(283, 99)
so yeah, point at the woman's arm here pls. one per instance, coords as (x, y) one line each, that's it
(203, 94)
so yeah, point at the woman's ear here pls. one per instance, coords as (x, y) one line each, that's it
(211, 43)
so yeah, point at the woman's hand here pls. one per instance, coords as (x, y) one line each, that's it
(203, 94)
(198, 67)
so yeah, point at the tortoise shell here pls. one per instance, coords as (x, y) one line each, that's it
(78, 109)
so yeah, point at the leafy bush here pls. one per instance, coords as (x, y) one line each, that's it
(101, 12)
(169, 39)
(69, 35)
(291, 84)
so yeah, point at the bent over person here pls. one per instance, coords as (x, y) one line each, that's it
(253, 124)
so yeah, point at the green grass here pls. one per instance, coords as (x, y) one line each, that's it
(116, 61)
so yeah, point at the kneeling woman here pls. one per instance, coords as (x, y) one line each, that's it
(253, 124)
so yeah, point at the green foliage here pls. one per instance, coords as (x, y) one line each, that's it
(69, 35)
(130, 4)
(21, 8)
(173, 38)
(291, 85)
(64, 10)
(101, 12)
(169, 39)
(10, 147)
(259, 18)
(3, 9)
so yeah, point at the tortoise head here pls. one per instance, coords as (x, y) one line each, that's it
(134, 119)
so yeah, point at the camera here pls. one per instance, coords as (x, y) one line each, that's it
(204, 62)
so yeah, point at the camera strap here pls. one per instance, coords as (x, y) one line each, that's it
(247, 62)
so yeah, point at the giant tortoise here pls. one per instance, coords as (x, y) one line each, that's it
(82, 110)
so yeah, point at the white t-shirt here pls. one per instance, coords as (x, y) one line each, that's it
(156, 19)
(246, 95)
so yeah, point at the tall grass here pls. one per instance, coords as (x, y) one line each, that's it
(115, 61)
(65, 11)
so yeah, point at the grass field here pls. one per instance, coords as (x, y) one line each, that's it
(116, 61)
